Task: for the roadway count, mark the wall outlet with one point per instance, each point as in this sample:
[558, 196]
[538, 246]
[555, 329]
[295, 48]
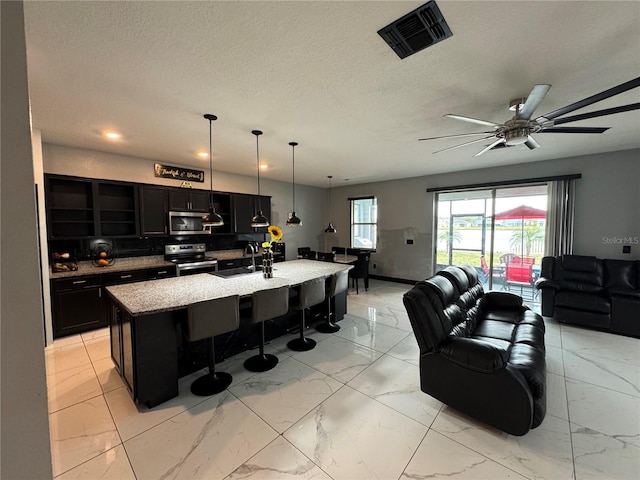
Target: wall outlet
[409, 241]
[626, 249]
[374, 265]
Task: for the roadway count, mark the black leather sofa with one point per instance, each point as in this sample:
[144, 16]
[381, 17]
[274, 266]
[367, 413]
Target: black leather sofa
[591, 292]
[480, 353]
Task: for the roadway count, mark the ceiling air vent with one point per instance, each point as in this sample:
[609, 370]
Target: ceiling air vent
[416, 30]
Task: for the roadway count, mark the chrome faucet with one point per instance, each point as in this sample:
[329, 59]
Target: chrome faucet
[251, 246]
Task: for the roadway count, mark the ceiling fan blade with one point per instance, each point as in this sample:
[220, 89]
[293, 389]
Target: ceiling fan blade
[474, 120]
[531, 143]
[464, 144]
[533, 100]
[598, 113]
[574, 130]
[486, 149]
[623, 87]
[454, 136]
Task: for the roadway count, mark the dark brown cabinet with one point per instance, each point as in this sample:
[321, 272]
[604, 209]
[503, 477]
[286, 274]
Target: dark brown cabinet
[144, 350]
[153, 211]
[188, 200]
[78, 305]
[80, 208]
[117, 212]
[79, 302]
[70, 208]
[245, 207]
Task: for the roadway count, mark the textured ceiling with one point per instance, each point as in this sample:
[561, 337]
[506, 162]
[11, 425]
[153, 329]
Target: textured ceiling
[318, 73]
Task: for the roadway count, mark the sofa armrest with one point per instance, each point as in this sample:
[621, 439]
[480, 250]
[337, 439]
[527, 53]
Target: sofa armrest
[544, 282]
[500, 300]
[474, 354]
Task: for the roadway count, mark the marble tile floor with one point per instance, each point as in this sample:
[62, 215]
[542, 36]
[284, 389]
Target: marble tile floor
[349, 409]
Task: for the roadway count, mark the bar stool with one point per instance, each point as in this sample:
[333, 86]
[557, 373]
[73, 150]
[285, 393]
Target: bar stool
[311, 293]
[206, 320]
[338, 283]
[266, 305]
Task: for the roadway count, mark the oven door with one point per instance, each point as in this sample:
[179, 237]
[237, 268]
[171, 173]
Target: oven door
[186, 223]
[195, 268]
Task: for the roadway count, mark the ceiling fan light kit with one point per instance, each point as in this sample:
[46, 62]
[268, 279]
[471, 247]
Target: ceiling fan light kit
[519, 129]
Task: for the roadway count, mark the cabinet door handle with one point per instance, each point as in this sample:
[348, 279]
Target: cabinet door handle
[78, 282]
[100, 292]
[230, 264]
[125, 276]
[163, 272]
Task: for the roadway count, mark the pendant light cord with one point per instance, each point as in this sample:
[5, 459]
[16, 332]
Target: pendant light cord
[330, 177]
[210, 159]
[258, 165]
[293, 175]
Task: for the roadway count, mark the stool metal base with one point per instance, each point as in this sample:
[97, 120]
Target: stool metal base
[327, 327]
[209, 384]
[261, 363]
[301, 344]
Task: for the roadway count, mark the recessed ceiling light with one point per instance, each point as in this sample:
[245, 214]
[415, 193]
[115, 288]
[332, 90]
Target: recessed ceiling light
[203, 154]
[263, 166]
[112, 135]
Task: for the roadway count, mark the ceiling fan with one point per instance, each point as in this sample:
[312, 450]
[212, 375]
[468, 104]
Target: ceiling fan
[519, 129]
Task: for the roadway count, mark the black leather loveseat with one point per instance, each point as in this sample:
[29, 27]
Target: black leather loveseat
[587, 291]
[482, 354]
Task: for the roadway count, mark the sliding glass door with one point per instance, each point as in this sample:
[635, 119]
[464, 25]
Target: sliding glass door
[505, 247]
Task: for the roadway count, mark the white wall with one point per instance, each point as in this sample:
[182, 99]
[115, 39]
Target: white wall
[607, 207]
[25, 452]
[310, 201]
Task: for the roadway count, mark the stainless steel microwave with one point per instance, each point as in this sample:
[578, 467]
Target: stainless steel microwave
[186, 223]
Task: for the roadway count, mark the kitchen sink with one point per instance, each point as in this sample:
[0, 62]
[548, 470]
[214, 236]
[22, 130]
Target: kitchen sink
[233, 272]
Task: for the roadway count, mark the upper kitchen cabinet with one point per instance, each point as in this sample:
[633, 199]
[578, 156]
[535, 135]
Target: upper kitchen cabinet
[79, 208]
[70, 209]
[182, 199]
[245, 207]
[153, 210]
[222, 203]
[116, 209]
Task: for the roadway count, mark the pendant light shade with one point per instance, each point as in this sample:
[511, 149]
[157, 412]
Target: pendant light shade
[330, 228]
[293, 220]
[211, 219]
[258, 220]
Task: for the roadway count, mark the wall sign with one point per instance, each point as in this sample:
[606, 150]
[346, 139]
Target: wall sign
[178, 173]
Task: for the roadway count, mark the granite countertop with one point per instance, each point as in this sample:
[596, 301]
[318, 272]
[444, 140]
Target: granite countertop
[120, 265]
[155, 296]
[138, 263]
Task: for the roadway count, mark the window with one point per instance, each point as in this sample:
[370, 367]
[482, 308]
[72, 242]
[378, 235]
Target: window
[364, 222]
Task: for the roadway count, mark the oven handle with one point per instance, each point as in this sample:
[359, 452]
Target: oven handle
[184, 268]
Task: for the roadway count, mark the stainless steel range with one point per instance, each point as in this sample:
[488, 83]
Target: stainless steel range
[190, 258]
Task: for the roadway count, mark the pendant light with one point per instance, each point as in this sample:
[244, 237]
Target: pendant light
[211, 219]
[259, 220]
[293, 220]
[330, 228]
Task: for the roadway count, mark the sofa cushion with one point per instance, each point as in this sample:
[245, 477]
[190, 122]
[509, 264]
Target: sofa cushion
[529, 334]
[579, 263]
[620, 274]
[577, 272]
[495, 329]
[582, 301]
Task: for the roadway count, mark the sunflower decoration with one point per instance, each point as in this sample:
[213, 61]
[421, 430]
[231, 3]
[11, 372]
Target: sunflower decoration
[276, 235]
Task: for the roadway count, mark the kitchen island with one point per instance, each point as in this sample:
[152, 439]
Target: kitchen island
[146, 318]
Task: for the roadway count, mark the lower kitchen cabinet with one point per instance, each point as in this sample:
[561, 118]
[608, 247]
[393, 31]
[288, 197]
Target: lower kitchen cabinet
[144, 350]
[78, 305]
